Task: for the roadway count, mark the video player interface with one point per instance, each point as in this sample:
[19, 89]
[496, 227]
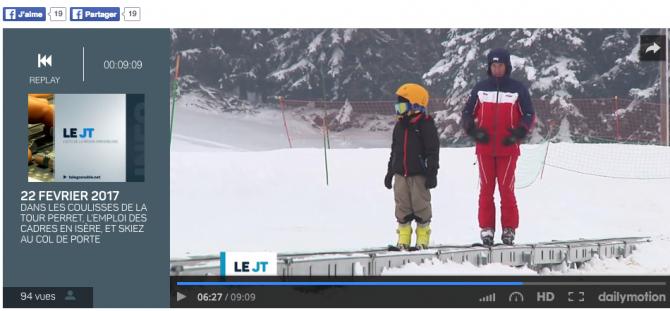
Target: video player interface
[180, 160]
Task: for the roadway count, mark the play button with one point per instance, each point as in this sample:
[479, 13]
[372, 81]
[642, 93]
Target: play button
[180, 296]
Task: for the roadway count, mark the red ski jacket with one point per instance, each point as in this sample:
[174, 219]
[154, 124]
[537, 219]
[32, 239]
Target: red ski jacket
[497, 105]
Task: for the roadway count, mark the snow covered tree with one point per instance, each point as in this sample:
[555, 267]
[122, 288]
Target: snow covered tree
[228, 59]
[347, 63]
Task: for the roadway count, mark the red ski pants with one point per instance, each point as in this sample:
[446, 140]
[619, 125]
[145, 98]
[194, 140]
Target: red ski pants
[500, 169]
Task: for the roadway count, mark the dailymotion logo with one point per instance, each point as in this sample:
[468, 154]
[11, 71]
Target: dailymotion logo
[631, 298]
[248, 263]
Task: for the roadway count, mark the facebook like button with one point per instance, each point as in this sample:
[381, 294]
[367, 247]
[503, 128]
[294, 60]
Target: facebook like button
[106, 14]
[33, 14]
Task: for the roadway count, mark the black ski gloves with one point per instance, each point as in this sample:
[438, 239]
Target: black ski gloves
[431, 181]
[478, 134]
[516, 134]
[388, 180]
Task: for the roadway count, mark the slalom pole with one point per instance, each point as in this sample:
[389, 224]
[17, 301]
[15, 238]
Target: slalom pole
[323, 97]
[174, 95]
[282, 106]
[325, 149]
[325, 115]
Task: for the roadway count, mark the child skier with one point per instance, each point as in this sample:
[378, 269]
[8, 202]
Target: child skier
[414, 163]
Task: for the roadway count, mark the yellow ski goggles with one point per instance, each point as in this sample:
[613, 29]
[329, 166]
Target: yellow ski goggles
[401, 108]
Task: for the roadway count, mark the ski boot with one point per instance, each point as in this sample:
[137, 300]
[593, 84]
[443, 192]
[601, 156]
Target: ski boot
[508, 236]
[422, 236]
[487, 236]
[404, 236]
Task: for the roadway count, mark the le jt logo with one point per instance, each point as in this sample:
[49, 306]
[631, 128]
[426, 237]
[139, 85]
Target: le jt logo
[243, 266]
[87, 132]
[248, 263]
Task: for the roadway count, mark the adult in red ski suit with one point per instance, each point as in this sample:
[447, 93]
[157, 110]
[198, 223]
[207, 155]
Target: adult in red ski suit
[498, 114]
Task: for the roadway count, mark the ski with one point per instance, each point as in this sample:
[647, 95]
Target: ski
[394, 248]
[486, 246]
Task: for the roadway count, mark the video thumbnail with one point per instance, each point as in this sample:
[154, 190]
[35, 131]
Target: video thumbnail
[99, 137]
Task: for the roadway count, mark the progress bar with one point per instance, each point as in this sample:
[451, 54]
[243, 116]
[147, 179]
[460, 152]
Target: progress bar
[334, 283]
[349, 283]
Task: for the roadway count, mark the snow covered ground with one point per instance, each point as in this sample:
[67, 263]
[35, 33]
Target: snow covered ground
[235, 186]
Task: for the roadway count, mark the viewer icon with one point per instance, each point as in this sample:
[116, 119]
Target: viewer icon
[70, 296]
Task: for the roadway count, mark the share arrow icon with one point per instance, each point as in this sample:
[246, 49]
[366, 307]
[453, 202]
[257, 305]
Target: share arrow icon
[654, 47]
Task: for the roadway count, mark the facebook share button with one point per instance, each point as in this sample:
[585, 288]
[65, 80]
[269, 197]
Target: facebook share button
[95, 14]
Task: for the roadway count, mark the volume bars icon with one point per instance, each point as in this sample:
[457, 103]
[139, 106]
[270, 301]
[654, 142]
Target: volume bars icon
[488, 298]
[43, 60]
